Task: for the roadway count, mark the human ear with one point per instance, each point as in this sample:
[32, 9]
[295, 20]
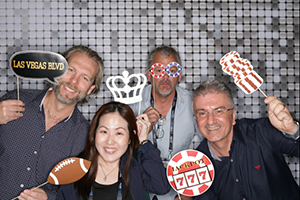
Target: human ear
[91, 89]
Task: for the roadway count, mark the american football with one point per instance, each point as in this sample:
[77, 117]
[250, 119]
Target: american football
[68, 171]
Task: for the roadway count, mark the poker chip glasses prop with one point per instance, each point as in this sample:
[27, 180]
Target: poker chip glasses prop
[158, 70]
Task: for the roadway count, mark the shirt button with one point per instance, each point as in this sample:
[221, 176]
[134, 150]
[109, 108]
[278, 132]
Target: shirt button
[28, 168]
[35, 152]
[231, 160]
[22, 185]
[43, 136]
[237, 180]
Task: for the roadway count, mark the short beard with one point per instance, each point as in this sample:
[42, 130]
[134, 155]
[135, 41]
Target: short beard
[166, 93]
[76, 99]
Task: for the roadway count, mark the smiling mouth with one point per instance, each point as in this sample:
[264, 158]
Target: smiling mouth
[110, 150]
[213, 128]
[69, 89]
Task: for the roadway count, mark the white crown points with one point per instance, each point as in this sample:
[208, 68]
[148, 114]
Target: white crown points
[64, 163]
[132, 89]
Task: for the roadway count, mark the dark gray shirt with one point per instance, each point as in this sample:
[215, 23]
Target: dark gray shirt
[28, 152]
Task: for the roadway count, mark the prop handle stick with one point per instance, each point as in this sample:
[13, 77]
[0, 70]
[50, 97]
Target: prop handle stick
[18, 92]
[262, 92]
[153, 92]
[39, 186]
[33, 189]
[179, 197]
[139, 108]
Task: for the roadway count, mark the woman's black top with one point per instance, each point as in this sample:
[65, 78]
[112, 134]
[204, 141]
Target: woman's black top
[109, 192]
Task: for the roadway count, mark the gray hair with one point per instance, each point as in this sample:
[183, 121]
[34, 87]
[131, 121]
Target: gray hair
[213, 86]
[165, 51]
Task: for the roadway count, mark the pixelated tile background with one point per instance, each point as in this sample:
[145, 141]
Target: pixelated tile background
[266, 32]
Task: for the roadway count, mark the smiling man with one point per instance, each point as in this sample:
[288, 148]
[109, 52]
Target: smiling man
[247, 154]
[48, 128]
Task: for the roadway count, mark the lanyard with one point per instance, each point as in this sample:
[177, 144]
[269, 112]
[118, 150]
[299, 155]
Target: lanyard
[119, 195]
[171, 125]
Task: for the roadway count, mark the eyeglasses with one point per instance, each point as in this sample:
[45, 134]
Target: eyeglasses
[158, 70]
[218, 112]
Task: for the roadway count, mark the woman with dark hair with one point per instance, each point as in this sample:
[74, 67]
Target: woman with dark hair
[124, 163]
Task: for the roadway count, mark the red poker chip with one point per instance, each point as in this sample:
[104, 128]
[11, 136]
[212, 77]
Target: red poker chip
[157, 75]
[190, 172]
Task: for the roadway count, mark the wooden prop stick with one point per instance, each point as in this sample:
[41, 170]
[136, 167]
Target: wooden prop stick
[153, 91]
[153, 94]
[179, 196]
[262, 92]
[139, 107]
[33, 189]
[18, 89]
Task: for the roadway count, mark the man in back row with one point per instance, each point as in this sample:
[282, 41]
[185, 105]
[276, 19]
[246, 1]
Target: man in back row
[247, 154]
[45, 127]
[168, 106]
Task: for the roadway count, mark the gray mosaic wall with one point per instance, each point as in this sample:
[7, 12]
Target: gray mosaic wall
[266, 32]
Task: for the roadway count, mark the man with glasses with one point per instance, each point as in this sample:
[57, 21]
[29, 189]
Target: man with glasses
[168, 106]
[247, 154]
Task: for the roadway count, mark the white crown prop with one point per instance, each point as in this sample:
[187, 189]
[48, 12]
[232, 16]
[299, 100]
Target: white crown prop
[127, 94]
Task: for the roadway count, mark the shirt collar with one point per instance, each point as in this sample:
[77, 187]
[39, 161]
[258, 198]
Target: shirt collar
[235, 138]
[212, 153]
[41, 104]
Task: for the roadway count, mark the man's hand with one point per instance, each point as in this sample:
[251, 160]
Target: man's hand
[280, 116]
[153, 115]
[11, 110]
[36, 194]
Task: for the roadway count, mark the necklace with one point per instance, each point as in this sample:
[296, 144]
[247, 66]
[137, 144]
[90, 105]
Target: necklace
[105, 175]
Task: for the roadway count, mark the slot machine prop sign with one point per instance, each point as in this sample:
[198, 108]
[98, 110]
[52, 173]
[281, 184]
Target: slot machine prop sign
[190, 172]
